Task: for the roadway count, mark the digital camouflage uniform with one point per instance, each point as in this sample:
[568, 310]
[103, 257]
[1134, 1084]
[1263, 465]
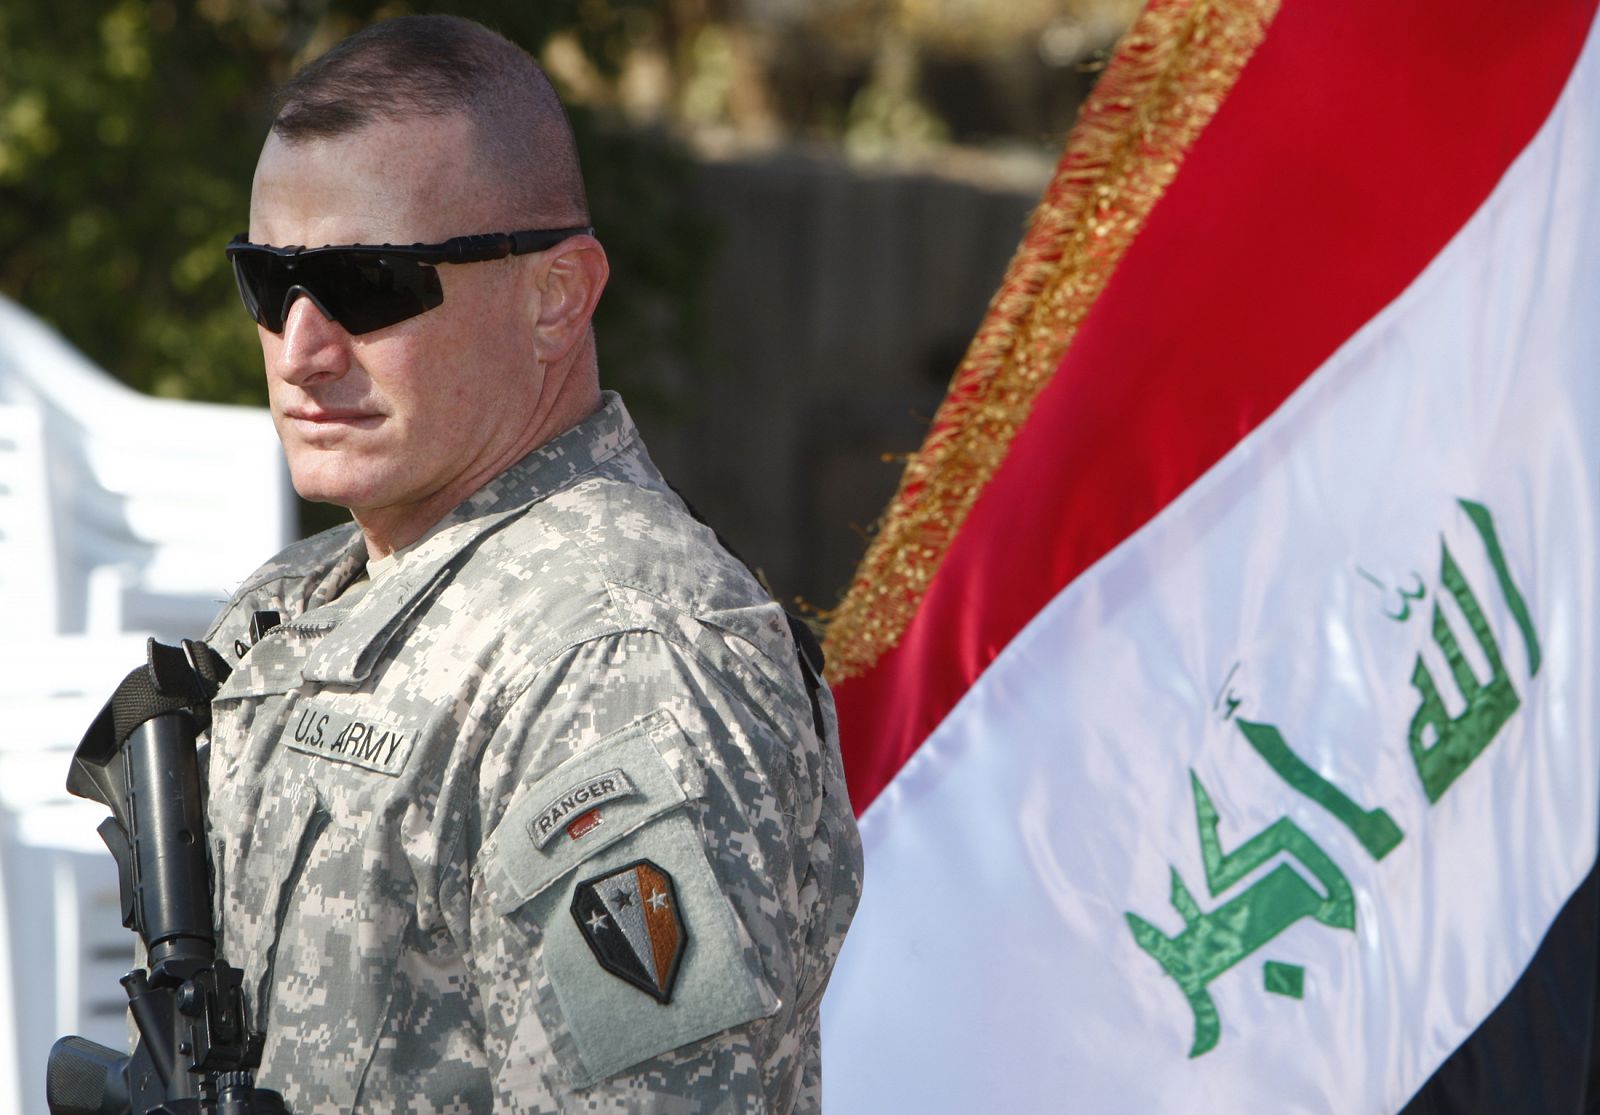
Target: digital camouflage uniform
[539, 821]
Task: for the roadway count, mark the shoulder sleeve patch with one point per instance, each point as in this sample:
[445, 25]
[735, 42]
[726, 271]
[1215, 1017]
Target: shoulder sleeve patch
[584, 806]
[645, 953]
[632, 920]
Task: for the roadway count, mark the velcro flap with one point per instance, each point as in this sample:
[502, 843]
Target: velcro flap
[586, 805]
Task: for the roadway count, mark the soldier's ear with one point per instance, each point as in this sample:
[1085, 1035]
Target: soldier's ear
[570, 277]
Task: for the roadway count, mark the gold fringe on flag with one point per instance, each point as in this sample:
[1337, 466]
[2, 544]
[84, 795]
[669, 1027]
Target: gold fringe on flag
[1170, 73]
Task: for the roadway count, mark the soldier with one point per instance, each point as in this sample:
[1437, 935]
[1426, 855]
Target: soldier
[523, 796]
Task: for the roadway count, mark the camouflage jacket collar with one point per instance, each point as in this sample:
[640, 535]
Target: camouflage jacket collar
[555, 465]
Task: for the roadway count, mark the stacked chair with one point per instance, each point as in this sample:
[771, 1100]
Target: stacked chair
[121, 517]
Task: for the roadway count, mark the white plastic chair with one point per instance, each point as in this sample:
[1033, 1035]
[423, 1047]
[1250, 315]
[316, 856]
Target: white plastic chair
[28, 589]
[159, 507]
[121, 516]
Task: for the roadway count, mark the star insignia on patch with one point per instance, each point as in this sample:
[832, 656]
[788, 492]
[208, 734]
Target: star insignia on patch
[631, 921]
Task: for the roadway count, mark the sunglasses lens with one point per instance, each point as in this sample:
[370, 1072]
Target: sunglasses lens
[365, 291]
[253, 270]
[362, 291]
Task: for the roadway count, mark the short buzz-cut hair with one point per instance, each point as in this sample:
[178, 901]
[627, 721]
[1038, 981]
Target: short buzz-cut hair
[440, 65]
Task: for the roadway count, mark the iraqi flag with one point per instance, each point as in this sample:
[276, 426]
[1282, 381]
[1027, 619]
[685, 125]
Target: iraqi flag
[1219, 694]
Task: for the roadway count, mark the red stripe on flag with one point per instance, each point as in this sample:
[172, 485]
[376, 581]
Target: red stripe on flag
[1342, 162]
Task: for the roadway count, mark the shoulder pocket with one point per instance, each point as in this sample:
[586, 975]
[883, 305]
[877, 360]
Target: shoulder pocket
[585, 805]
[642, 949]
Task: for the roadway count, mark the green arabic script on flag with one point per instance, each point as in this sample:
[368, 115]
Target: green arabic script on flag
[1442, 748]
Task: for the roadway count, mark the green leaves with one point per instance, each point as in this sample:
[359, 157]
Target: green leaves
[125, 158]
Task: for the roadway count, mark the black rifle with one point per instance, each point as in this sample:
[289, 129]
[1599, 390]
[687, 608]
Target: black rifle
[196, 1052]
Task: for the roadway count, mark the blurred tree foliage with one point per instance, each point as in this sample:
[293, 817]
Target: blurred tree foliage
[128, 134]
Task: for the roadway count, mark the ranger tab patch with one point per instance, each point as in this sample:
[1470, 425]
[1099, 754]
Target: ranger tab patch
[573, 802]
[631, 921]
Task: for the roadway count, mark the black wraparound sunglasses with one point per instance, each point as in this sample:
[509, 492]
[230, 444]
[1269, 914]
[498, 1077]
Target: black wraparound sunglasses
[367, 286]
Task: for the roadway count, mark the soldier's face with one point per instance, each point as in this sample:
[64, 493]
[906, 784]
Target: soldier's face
[402, 423]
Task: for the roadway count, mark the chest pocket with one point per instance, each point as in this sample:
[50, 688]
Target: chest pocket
[264, 883]
[289, 921]
[601, 865]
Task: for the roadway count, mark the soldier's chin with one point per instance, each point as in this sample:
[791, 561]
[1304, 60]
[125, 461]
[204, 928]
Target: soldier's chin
[313, 487]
